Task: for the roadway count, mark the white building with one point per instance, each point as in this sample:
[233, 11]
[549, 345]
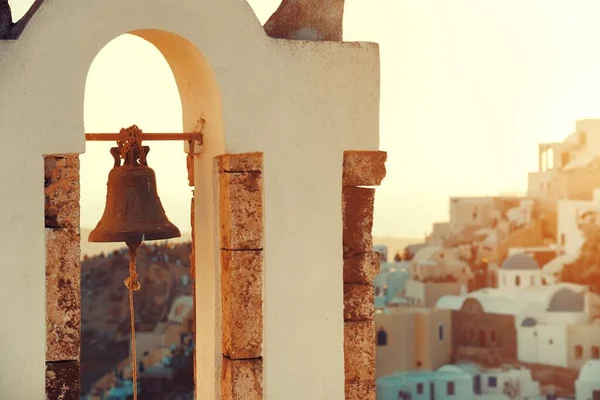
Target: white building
[572, 216]
[587, 386]
[552, 322]
[519, 271]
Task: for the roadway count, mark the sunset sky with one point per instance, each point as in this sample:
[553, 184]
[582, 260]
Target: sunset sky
[469, 87]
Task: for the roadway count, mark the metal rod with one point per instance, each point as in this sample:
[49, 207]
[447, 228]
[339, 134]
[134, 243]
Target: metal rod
[113, 137]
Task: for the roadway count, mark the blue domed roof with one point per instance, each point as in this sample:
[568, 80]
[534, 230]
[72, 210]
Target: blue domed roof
[520, 261]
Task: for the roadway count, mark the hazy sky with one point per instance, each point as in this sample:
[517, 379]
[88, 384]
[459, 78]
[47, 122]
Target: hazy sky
[469, 87]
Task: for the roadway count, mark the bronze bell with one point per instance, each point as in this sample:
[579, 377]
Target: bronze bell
[133, 210]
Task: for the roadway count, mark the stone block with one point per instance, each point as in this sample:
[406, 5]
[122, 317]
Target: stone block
[63, 294]
[361, 267]
[243, 162]
[61, 187]
[364, 168]
[357, 211]
[241, 210]
[241, 302]
[241, 379]
[63, 380]
[359, 351]
[359, 301]
[361, 390]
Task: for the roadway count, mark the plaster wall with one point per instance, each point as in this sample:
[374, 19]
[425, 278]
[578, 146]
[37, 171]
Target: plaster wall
[552, 345]
[434, 337]
[585, 336]
[464, 209]
[508, 279]
[527, 347]
[400, 352]
[288, 99]
[567, 224]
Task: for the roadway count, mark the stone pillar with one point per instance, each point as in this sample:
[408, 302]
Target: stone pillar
[63, 273]
[361, 264]
[241, 247]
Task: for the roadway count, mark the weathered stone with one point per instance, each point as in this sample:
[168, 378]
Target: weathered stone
[61, 188]
[361, 390]
[241, 379]
[241, 299]
[63, 294]
[359, 351]
[357, 211]
[243, 162]
[63, 380]
[361, 267]
[359, 302]
[190, 169]
[307, 20]
[241, 211]
[364, 168]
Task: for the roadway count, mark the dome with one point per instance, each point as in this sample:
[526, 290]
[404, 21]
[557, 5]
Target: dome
[528, 322]
[567, 300]
[590, 371]
[520, 261]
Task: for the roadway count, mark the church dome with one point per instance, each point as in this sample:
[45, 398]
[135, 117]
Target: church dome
[520, 262]
[567, 300]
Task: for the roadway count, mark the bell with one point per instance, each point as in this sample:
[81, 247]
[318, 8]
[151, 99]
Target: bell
[133, 210]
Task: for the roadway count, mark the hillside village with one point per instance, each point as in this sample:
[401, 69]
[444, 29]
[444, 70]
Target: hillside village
[164, 315]
[502, 301]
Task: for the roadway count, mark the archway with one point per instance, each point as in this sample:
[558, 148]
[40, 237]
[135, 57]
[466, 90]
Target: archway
[200, 101]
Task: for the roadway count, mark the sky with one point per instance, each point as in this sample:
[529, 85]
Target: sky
[468, 90]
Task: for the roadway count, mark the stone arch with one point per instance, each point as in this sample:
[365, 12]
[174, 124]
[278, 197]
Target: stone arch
[200, 100]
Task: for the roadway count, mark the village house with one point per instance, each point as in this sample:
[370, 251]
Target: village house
[436, 272]
[426, 385]
[286, 145]
[483, 328]
[412, 339]
[573, 215]
[569, 169]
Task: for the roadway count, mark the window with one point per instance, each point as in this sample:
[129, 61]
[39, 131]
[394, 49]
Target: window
[441, 332]
[381, 338]
[532, 280]
[471, 334]
[475, 214]
[420, 388]
[492, 335]
[578, 352]
[482, 338]
[595, 352]
[492, 381]
[402, 395]
[563, 239]
[450, 388]
[517, 280]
